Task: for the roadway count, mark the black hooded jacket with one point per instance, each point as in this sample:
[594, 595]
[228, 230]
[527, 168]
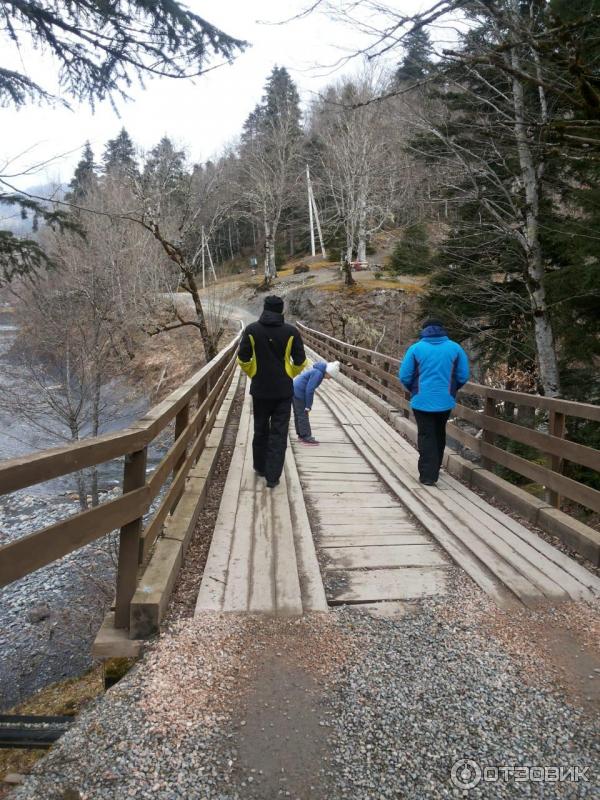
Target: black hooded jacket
[271, 353]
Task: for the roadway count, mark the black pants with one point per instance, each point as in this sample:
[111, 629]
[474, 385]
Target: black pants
[271, 422]
[431, 441]
[301, 420]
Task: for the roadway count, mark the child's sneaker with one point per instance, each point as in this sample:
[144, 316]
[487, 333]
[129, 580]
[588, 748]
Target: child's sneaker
[309, 440]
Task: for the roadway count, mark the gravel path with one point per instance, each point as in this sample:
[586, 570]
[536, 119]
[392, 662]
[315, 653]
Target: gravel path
[339, 705]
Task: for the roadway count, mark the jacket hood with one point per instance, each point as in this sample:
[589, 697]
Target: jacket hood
[271, 318]
[434, 331]
[321, 366]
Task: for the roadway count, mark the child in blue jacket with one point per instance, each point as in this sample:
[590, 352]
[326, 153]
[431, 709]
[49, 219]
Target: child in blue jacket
[433, 370]
[305, 386]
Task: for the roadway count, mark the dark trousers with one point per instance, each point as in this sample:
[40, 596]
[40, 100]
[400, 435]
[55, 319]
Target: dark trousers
[431, 441]
[301, 420]
[271, 422]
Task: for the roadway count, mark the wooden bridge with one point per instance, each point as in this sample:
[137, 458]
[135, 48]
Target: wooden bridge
[349, 522]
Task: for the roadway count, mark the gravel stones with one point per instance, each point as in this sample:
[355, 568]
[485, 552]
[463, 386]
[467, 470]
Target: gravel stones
[400, 701]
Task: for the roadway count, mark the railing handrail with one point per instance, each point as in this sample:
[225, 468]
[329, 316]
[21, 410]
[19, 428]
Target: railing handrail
[380, 378]
[43, 465]
[194, 405]
[571, 408]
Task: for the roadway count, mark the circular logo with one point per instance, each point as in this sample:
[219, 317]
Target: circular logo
[465, 773]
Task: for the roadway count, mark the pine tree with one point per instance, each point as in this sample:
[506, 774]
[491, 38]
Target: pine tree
[280, 105]
[84, 177]
[416, 64]
[101, 46]
[119, 155]
[412, 254]
[165, 167]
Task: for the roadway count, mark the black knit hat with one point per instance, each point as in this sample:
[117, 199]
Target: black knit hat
[274, 303]
[433, 321]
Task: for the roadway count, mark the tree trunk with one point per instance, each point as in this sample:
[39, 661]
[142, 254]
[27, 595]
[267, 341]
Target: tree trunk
[362, 223]
[544, 337]
[210, 349]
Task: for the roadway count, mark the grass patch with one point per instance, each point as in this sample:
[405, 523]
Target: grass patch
[64, 698]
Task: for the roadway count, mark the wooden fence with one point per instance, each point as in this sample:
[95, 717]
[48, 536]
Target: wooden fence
[194, 407]
[377, 372]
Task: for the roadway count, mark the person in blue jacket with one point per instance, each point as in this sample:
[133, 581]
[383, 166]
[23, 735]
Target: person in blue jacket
[305, 386]
[433, 370]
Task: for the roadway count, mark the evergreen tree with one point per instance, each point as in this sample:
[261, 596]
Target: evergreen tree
[280, 105]
[164, 169]
[84, 177]
[412, 254]
[416, 64]
[101, 46]
[119, 155]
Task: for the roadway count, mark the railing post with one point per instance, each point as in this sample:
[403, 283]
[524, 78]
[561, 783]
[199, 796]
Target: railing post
[557, 428]
[201, 397]
[488, 437]
[134, 477]
[181, 422]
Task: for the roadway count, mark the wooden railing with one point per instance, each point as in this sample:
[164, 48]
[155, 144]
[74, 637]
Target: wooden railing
[194, 407]
[377, 372]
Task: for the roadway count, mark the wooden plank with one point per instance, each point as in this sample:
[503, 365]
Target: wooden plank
[376, 539]
[134, 477]
[473, 565]
[43, 466]
[312, 467]
[155, 525]
[32, 468]
[212, 587]
[321, 487]
[288, 596]
[262, 565]
[365, 528]
[348, 477]
[326, 451]
[510, 549]
[568, 565]
[547, 444]
[359, 500]
[568, 407]
[311, 583]
[374, 517]
[391, 584]
[585, 495]
[384, 556]
[237, 583]
[28, 553]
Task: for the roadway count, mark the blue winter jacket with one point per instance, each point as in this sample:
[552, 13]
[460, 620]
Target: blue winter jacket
[309, 380]
[433, 370]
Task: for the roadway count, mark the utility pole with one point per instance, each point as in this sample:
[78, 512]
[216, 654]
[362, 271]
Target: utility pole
[310, 213]
[202, 252]
[312, 209]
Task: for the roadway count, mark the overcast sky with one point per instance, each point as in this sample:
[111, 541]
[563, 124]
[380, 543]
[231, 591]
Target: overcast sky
[203, 115]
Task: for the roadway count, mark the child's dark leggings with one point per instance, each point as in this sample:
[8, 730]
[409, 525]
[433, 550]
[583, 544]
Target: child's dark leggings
[301, 419]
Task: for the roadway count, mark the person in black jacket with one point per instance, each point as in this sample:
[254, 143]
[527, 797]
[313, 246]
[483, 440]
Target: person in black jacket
[271, 353]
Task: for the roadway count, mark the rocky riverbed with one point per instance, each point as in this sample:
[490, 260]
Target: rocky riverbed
[49, 618]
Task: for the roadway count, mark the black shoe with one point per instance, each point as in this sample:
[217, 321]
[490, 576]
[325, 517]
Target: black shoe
[427, 483]
[272, 484]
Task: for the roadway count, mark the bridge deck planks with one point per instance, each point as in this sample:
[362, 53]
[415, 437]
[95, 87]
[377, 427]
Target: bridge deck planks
[260, 557]
[364, 534]
[479, 537]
